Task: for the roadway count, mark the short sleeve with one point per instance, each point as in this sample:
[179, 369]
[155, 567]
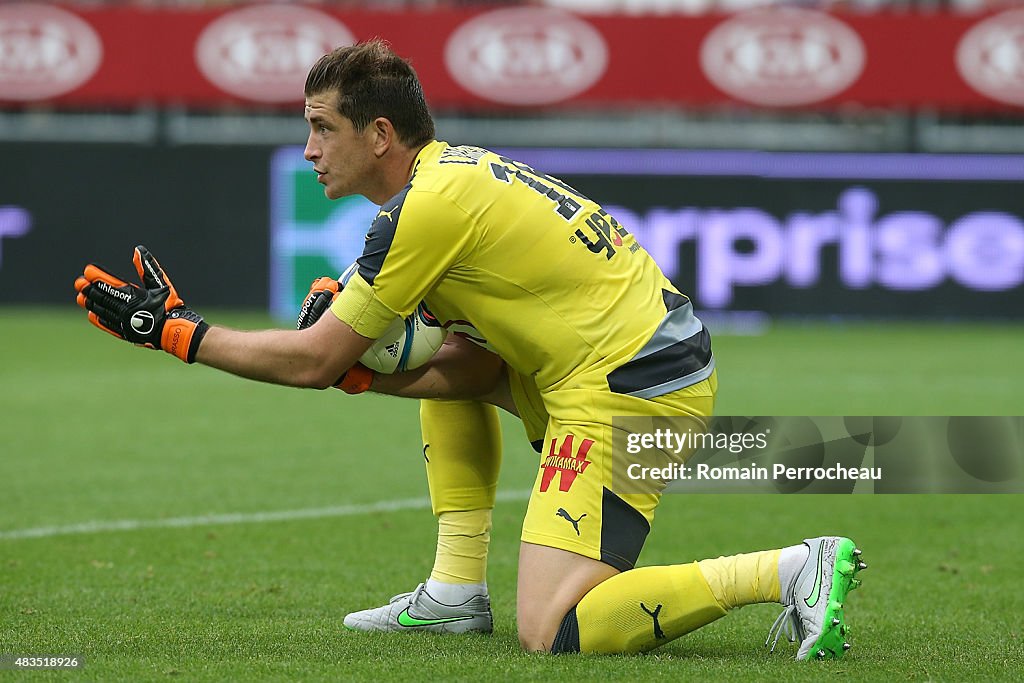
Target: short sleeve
[416, 238]
[361, 309]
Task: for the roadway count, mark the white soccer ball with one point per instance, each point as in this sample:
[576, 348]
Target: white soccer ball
[406, 344]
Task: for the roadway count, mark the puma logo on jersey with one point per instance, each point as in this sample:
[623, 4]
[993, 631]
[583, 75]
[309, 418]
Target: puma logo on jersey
[382, 212]
[567, 517]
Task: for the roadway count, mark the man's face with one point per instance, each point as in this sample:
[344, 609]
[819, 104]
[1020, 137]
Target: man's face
[342, 157]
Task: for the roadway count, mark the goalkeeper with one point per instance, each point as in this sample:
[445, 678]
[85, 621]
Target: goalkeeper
[562, 319]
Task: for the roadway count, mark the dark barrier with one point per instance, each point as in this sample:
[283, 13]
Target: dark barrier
[797, 234]
[202, 211]
[867, 235]
[826, 247]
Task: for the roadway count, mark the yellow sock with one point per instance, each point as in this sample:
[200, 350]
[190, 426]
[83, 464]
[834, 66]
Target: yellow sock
[462, 541]
[641, 609]
[462, 448]
[743, 579]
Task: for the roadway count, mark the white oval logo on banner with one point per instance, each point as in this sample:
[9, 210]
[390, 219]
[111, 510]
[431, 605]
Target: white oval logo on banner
[264, 53]
[990, 57]
[782, 57]
[44, 52]
[526, 56]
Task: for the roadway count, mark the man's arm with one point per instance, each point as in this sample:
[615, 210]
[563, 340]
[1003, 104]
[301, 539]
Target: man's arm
[314, 357]
[152, 314]
[459, 370]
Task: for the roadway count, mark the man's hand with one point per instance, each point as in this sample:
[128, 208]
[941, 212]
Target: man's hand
[322, 293]
[150, 315]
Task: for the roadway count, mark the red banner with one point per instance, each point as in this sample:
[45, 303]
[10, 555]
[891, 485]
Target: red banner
[518, 57]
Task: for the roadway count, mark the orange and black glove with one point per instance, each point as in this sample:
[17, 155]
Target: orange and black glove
[150, 315]
[322, 294]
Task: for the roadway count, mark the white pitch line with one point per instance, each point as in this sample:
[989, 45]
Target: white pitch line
[100, 526]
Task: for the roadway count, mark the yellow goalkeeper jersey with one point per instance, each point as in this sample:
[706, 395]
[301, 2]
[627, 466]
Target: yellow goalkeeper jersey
[524, 264]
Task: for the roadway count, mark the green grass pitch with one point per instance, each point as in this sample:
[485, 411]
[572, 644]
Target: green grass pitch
[94, 431]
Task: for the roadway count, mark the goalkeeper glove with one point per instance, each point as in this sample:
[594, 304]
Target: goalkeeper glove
[322, 293]
[150, 315]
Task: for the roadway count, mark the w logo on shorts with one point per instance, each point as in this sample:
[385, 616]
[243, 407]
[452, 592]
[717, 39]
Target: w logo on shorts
[565, 462]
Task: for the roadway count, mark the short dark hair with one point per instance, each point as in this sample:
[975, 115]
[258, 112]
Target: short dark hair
[373, 81]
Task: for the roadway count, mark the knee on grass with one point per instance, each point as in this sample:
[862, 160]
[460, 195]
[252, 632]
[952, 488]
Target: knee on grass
[566, 639]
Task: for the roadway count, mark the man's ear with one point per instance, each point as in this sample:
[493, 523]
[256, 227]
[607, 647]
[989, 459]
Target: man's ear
[384, 137]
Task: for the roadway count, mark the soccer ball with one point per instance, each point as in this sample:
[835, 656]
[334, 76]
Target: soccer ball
[406, 344]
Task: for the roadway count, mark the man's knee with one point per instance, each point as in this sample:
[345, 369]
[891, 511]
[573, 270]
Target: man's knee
[546, 609]
[565, 641]
[538, 625]
[531, 640]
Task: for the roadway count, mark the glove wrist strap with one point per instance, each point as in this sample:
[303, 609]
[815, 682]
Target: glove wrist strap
[197, 338]
[356, 380]
[183, 331]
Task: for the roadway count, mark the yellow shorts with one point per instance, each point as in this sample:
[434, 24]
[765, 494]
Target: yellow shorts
[572, 506]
